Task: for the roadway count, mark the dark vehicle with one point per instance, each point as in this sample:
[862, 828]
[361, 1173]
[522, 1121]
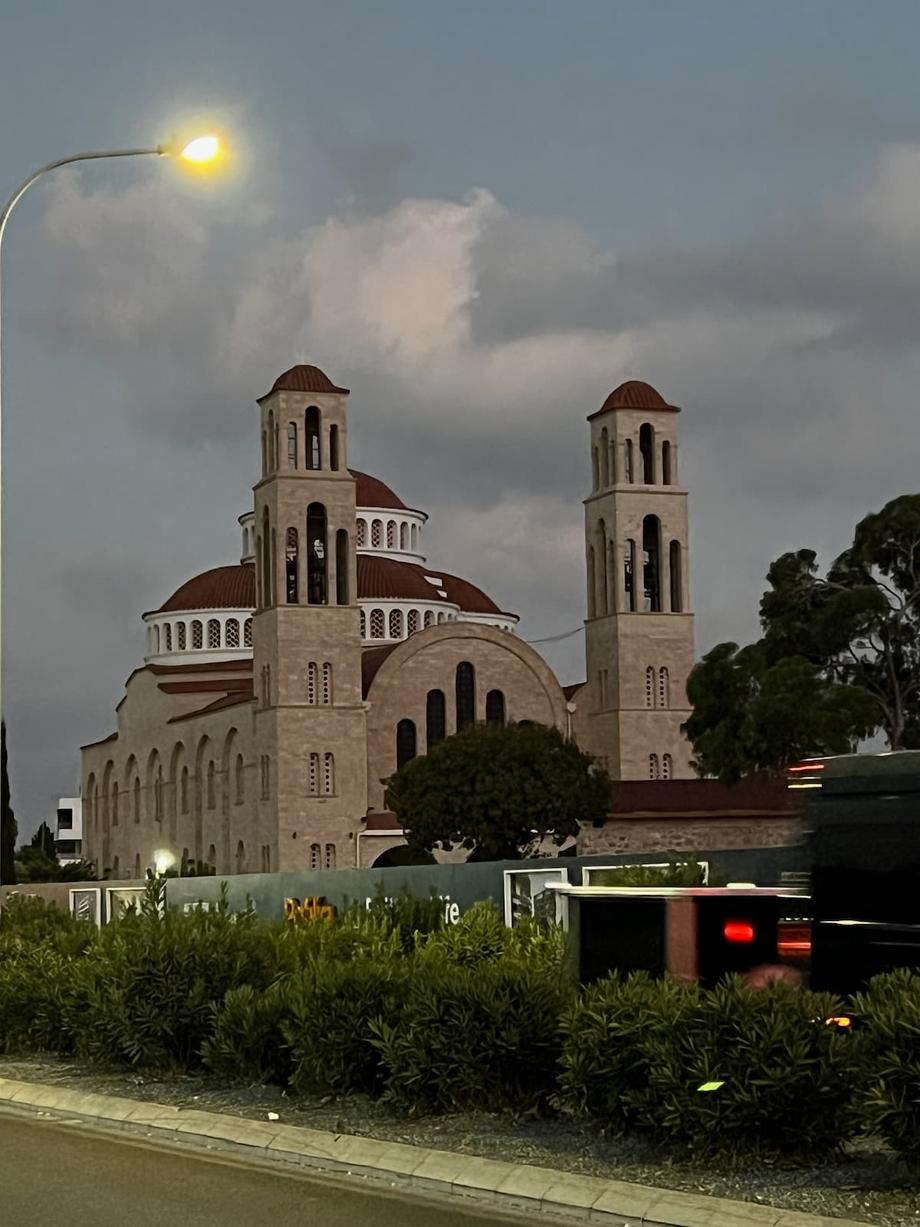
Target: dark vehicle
[862, 817]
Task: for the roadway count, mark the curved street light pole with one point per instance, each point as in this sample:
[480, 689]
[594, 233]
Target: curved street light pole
[159, 150]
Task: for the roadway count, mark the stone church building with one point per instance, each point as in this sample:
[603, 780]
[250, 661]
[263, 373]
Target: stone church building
[275, 695]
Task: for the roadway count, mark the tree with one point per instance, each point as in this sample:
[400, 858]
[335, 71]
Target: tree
[839, 660]
[8, 828]
[44, 839]
[33, 864]
[498, 791]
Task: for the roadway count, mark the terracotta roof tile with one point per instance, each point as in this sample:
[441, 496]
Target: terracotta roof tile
[372, 492]
[225, 700]
[371, 660]
[682, 798]
[305, 378]
[206, 684]
[220, 588]
[634, 394]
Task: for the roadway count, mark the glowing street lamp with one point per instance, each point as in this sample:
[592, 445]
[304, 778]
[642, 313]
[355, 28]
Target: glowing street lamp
[201, 150]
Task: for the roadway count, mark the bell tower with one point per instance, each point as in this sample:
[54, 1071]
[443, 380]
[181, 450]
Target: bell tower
[639, 629]
[310, 728]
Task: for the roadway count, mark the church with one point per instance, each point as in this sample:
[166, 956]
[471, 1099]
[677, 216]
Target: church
[276, 695]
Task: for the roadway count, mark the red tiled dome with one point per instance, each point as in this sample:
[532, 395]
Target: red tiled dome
[635, 394]
[220, 588]
[305, 379]
[372, 492]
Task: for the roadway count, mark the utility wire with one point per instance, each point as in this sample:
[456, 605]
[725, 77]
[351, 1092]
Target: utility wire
[556, 638]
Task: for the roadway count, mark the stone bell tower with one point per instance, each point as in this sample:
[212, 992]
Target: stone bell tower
[310, 730]
[639, 629]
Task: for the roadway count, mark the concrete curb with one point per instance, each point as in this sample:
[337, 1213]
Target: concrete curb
[515, 1186]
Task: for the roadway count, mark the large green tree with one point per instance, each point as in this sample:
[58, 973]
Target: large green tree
[498, 791]
[8, 829]
[839, 660]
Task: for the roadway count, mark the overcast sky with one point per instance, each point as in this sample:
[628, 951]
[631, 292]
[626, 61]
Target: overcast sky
[480, 217]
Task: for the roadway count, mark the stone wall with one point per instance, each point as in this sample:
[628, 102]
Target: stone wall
[690, 834]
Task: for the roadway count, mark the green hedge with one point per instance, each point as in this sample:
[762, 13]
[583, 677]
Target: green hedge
[890, 1100]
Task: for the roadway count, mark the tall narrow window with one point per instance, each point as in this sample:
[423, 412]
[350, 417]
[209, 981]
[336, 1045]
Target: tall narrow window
[240, 857]
[629, 576]
[240, 780]
[654, 772]
[327, 684]
[376, 534]
[466, 694]
[600, 562]
[664, 688]
[156, 639]
[312, 682]
[647, 452]
[313, 775]
[137, 866]
[180, 636]
[592, 594]
[628, 467]
[212, 856]
[183, 790]
[247, 633]
[391, 534]
[405, 743]
[233, 633]
[330, 856]
[329, 774]
[334, 448]
[363, 625]
[677, 581]
[605, 460]
[274, 567]
[651, 548]
[114, 805]
[377, 624]
[292, 445]
[341, 567]
[404, 536]
[212, 790]
[265, 774]
[396, 620]
[595, 470]
[266, 559]
[264, 454]
[435, 718]
[271, 441]
[311, 429]
[213, 633]
[361, 534]
[158, 795]
[429, 617]
[168, 632]
[666, 463]
[667, 767]
[613, 462]
[290, 566]
[495, 707]
[137, 798]
[414, 537]
[316, 554]
[314, 856]
[650, 687]
[412, 621]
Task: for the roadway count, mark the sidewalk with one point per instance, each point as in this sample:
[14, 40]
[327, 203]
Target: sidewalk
[557, 1194]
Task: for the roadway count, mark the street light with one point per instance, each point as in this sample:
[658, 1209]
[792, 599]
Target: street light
[200, 151]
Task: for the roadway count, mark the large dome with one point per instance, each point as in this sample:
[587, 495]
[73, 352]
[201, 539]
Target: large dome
[372, 492]
[219, 588]
[305, 378]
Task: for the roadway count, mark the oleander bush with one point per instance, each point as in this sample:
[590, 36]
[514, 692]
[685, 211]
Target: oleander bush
[481, 936]
[890, 1099]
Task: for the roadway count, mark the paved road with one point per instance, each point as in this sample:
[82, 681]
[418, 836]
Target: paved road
[71, 1175]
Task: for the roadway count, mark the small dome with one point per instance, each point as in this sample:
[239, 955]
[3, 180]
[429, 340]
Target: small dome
[220, 588]
[305, 379]
[635, 394]
[372, 492]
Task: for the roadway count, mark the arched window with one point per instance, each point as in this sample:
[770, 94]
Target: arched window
[654, 772]
[247, 633]
[327, 684]
[592, 595]
[334, 448]
[650, 687]
[167, 629]
[265, 769]
[212, 856]
[233, 633]
[137, 866]
[495, 707]
[429, 618]
[414, 537]
[341, 567]
[667, 767]
[114, 805]
[183, 791]
[396, 623]
[316, 554]
[647, 452]
[292, 445]
[613, 462]
[664, 688]
[330, 856]
[183, 863]
[595, 470]
[313, 775]
[267, 596]
[376, 534]
[442, 617]
[466, 694]
[412, 621]
[311, 438]
[651, 549]
[290, 566]
[605, 460]
[264, 454]
[361, 530]
[435, 718]
[677, 580]
[600, 564]
[213, 633]
[378, 624]
[240, 775]
[329, 774]
[363, 626]
[405, 743]
[274, 567]
[628, 467]
[314, 856]
[158, 795]
[404, 536]
[212, 791]
[312, 682]
[666, 463]
[180, 636]
[391, 534]
[271, 441]
[116, 867]
[240, 857]
[156, 640]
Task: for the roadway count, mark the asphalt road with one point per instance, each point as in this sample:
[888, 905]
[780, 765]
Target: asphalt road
[75, 1176]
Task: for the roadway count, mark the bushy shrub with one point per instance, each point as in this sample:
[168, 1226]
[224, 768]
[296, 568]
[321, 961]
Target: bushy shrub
[246, 1042]
[26, 923]
[607, 1047]
[482, 1036]
[779, 1079]
[40, 1001]
[408, 916]
[481, 936]
[890, 1099]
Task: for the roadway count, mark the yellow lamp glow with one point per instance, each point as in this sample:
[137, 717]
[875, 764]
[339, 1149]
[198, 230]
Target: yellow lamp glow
[201, 149]
[163, 860]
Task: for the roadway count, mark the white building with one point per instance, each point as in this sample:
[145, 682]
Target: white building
[68, 838]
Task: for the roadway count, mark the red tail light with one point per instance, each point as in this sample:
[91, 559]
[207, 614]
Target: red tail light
[741, 932]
